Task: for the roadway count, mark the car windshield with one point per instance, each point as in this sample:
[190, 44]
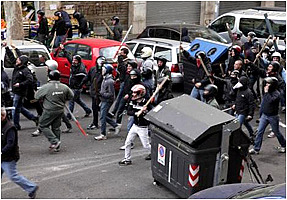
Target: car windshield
[109, 52]
[205, 33]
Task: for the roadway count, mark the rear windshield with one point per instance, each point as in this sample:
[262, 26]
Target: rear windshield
[109, 52]
[36, 56]
[259, 27]
[205, 33]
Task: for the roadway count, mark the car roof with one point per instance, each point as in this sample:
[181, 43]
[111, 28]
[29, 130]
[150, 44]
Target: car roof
[96, 43]
[20, 44]
[254, 13]
[161, 41]
[175, 25]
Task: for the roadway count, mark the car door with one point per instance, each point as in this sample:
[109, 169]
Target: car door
[63, 63]
[137, 52]
[86, 54]
[219, 26]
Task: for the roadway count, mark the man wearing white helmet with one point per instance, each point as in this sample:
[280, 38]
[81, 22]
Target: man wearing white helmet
[147, 68]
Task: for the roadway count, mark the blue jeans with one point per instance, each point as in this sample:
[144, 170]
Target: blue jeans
[78, 100]
[10, 169]
[130, 123]
[197, 93]
[241, 119]
[58, 40]
[274, 123]
[104, 118]
[119, 98]
[18, 104]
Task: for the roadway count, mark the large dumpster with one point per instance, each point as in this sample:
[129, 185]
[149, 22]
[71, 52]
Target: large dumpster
[190, 145]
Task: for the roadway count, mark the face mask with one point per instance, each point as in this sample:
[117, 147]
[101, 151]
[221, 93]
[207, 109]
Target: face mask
[238, 85]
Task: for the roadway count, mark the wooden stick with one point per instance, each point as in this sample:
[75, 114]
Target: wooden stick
[221, 69]
[205, 69]
[262, 49]
[123, 41]
[108, 28]
[158, 88]
[180, 35]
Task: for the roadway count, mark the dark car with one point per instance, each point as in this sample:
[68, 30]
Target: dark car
[172, 31]
[243, 191]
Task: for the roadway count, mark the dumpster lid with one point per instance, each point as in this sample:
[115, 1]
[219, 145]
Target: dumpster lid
[187, 117]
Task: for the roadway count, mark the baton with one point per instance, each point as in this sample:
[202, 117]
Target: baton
[158, 88]
[227, 109]
[205, 69]
[108, 28]
[76, 121]
[123, 41]
[262, 49]
[221, 69]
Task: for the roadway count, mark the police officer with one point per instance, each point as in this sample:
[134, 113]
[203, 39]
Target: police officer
[54, 95]
[118, 29]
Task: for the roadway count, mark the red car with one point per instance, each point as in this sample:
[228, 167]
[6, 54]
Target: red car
[89, 50]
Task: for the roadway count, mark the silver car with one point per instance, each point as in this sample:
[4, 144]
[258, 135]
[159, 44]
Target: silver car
[37, 54]
[168, 48]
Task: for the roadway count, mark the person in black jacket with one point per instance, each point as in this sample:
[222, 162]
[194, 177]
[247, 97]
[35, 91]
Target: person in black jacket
[244, 104]
[200, 79]
[140, 126]
[269, 109]
[96, 78]
[10, 155]
[184, 35]
[43, 30]
[77, 73]
[235, 55]
[21, 80]
[83, 24]
[59, 28]
[118, 29]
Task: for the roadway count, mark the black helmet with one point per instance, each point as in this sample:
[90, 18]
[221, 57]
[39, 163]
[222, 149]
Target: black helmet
[76, 15]
[54, 75]
[273, 81]
[137, 73]
[251, 34]
[276, 66]
[238, 34]
[266, 49]
[78, 58]
[41, 12]
[116, 18]
[133, 64]
[212, 89]
[161, 58]
[257, 45]
[202, 54]
[58, 13]
[24, 59]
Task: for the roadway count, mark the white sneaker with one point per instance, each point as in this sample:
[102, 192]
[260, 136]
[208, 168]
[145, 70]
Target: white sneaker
[36, 133]
[124, 147]
[281, 149]
[271, 135]
[253, 151]
[100, 137]
[118, 129]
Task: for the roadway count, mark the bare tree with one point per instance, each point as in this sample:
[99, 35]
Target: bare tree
[13, 17]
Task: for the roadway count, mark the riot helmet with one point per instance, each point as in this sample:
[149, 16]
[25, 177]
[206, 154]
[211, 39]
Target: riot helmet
[54, 75]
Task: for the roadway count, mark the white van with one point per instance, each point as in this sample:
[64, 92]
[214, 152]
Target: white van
[251, 20]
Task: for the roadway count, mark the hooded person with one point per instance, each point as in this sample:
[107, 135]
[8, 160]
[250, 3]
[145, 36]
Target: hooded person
[244, 104]
[184, 35]
[83, 24]
[22, 79]
[118, 29]
[43, 30]
[107, 97]
[200, 79]
[235, 55]
[269, 115]
[95, 77]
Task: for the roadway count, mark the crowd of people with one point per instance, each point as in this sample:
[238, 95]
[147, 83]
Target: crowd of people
[138, 83]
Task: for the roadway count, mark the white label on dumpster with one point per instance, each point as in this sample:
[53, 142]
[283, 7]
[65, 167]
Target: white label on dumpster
[157, 108]
[161, 154]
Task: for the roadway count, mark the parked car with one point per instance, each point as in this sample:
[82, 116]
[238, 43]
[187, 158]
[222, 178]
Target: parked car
[37, 54]
[172, 31]
[165, 47]
[243, 191]
[89, 49]
[251, 20]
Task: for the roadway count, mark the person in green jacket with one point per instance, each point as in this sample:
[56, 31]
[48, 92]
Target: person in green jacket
[54, 95]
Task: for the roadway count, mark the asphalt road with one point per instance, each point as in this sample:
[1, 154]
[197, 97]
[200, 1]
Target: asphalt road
[86, 168]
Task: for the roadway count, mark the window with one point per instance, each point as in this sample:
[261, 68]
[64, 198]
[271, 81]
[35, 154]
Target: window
[162, 33]
[70, 48]
[140, 46]
[84, 51]
[131, 45]
[220, 24]
[259, 27]
[165, 52]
